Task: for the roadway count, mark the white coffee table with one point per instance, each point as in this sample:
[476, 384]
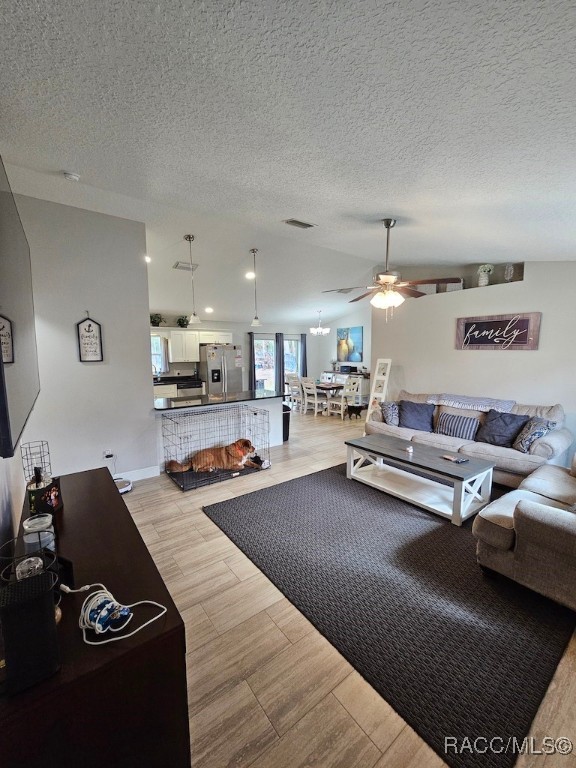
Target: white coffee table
[383, 462]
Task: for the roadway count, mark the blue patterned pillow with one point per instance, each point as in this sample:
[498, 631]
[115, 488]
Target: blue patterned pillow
[390, 413]
[534, 429]
[452, 425]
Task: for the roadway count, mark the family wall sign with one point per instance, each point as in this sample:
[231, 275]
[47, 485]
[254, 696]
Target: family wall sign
[499, 332]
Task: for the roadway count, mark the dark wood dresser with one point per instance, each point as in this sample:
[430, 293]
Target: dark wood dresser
[121, 704]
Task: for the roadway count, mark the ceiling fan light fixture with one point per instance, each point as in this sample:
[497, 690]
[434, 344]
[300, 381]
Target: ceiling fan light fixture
[386, 300]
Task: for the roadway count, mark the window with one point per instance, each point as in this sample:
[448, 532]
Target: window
[292, 356]
[159, 353]
[265, 363]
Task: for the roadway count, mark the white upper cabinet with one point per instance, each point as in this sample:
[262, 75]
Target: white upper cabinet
[215, 337]
[183, 347]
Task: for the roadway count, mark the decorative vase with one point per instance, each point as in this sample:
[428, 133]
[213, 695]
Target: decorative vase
[483, 279]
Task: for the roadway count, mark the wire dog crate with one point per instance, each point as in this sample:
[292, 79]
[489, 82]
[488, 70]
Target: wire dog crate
[185, 434]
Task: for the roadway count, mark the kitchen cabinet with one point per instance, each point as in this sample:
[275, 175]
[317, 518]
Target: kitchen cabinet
[183, 347]
[215, 337]
[165, 390]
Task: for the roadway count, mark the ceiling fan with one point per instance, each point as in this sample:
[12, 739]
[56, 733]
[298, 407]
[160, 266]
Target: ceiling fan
[387, 292]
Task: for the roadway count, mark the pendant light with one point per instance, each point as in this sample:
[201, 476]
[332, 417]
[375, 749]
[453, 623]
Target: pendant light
[256, 321]
[194, 319]
[318, 330]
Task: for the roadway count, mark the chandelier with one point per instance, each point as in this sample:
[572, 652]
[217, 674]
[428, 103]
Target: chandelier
[318, 330]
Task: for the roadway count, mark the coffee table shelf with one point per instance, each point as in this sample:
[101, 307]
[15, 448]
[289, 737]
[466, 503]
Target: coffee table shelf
[454, 491]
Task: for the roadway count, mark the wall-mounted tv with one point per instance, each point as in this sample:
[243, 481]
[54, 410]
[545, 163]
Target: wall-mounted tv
[19, 379]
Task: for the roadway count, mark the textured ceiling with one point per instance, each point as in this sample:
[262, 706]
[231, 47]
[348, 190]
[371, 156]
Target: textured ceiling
[456, 117]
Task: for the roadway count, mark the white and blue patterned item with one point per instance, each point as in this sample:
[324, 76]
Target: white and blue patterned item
[453, 425]
[390, 413]
[534, 429]
[472, 403]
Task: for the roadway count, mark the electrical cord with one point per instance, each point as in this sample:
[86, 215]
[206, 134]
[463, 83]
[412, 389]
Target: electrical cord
[101, 613]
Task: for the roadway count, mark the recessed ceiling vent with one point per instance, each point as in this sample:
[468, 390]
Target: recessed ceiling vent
[186, 266]
[299, 224]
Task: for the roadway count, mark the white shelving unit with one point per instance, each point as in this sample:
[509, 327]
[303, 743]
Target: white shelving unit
[379, 384]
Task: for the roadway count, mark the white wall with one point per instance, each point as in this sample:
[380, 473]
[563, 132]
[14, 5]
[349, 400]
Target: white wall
[420, 340]
[89, 261]
[322, 349]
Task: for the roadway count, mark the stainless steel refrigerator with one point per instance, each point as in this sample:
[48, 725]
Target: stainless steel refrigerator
[221, 368]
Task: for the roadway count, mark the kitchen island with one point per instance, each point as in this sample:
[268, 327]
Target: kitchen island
[167, 403]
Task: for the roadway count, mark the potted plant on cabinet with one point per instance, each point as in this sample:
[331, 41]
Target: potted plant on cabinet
[156, 319]
[182, 321]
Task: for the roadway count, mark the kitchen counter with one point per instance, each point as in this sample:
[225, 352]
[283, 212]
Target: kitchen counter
[168, 403]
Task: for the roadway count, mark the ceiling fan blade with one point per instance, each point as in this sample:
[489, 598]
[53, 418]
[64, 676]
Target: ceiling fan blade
[343, 290]
[432, 281]
[409, 292]
[363, 295]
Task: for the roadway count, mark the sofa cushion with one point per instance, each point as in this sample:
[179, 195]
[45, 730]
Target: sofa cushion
[553, 482]
[457, 426]
[443, 442]
[414, 398]
[506, 459]
[501, 428]
[390, 413]
[494, 524]
[379, 428]
[531, 431]
[549, 412]
[416, 415]
[470, 414]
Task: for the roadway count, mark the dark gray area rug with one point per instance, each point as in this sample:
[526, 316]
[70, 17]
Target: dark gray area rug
[398, 592]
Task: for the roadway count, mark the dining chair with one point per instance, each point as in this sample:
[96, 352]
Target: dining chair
[312, 398]
[339, 404]
[295, 394]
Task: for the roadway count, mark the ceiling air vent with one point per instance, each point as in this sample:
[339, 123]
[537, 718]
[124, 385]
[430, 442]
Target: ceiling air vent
[299, 224]
[186, 266]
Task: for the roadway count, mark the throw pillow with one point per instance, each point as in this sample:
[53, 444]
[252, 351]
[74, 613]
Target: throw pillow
[531, 431]
[501, 428]
[390, 413]
[457, 426]
[416, 415]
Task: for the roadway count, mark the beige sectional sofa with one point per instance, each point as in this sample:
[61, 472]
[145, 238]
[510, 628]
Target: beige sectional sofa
[511, 465]
[529, 534]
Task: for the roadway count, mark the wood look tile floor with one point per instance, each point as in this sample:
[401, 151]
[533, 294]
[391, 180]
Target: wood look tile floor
[265, 689]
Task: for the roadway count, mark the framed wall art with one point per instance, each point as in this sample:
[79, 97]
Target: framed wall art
[6, 340]
[349, 344]
[499, 332]
[89, 341]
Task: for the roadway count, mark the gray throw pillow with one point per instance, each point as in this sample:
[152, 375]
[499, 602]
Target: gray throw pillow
[501, 428]
[454, 425]
[416, 415]
[531, 431]
[390, 413]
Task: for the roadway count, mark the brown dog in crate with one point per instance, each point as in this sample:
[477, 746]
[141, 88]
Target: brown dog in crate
[234, 456]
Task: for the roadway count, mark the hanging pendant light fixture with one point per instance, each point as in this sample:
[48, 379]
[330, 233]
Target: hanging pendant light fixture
[318, 330]
[194, 319]
[256, 321]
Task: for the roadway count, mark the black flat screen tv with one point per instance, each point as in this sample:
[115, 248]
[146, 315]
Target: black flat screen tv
[19, 379]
